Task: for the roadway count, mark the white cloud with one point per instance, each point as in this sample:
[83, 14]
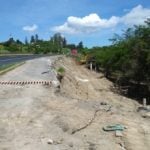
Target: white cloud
[136, 16]
[87, 24]
[32, 28]
[93, 22]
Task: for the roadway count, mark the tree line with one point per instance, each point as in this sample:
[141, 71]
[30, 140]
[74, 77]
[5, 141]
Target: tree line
[56, 44]
[127, 60]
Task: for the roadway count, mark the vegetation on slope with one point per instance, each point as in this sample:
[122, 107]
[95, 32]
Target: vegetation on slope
[128, 59]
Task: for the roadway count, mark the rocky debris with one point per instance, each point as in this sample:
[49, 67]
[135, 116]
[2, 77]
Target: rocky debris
[146, 115]
[50, 141]
[55, 83]
[118, 134]
[54, 142]
[70, 144]
[143, 109]
[103, 103]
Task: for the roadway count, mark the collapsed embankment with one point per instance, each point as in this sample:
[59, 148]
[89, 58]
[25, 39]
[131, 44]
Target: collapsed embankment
[94, 93]
[79, 83]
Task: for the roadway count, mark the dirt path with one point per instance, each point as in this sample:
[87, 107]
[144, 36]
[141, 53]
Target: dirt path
[31, 115]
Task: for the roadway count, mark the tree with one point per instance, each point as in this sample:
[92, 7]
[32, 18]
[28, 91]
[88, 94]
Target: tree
[26, 41]
[64, 42]
[32, 41]
[127, 60]
[36, 38]
[147, 22]
[54, 45]
[58, 42]
[80, 46]
[18, 42]
[71, 46]
[9, 42]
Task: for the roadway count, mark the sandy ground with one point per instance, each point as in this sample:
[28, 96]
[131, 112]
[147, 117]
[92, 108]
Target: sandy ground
[32, 115]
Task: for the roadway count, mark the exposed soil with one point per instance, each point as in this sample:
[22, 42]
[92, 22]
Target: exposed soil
[69, 117]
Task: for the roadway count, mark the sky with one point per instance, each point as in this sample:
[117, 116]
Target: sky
[91, 21]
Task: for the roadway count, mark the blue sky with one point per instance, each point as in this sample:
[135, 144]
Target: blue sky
[90, 21]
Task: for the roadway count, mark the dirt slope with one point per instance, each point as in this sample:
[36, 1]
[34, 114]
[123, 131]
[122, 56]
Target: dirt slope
[91, 89]
[72, 116]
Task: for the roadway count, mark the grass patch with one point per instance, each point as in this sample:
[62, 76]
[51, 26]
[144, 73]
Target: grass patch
[61, 70]
[9, 67]
[60, 73]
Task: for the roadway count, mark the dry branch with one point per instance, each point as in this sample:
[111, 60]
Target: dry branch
[88, 124]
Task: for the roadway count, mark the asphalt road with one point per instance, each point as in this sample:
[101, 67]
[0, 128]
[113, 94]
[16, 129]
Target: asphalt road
[4, 60]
